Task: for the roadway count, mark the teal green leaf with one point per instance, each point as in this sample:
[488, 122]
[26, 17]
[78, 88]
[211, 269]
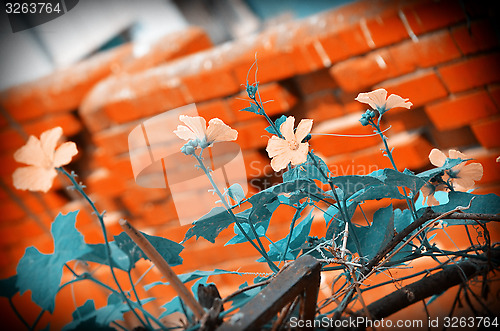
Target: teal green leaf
[252, 108]
[242, 298]
[352, 184]
[211, 224]
[376, 236]
[41, 273]
[448, 164]
[377, 192]
[168, 249]
[98, 255]
[482, 203]
[236, 192]
[401, 179]
[8, 287]
[299, 237]
[337, 224]
[308, 170]
[277, 124]
[402, 219]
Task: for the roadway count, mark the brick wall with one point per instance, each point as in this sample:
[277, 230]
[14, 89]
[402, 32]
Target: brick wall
[443, 55]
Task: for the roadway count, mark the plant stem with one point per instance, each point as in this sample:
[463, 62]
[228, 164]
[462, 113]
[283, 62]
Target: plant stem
[292, 225]
[164, 268]
[410, 203]
[137, 297]
[261, 250]
[100, 217]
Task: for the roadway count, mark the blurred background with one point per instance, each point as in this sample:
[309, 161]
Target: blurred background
[104, 67]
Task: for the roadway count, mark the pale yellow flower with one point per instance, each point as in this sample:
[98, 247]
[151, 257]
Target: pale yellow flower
[196, 129]
[291, 148]
[463, 175]
[42, 158]
[378, 100]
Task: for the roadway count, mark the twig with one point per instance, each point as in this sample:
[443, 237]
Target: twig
[164, 268]
[241, 290]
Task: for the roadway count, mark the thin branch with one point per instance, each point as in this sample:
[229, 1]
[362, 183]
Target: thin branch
[164, 268]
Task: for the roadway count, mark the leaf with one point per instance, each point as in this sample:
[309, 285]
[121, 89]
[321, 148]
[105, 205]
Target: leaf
[376, 236]
[308, 170]
[482, 204]
[211, 224]
[299, 237]
[8, 287]
[252, 108]
[86, 317]
[244, 297]
[168, 249]
[377, 192]
[401, 179]
[448, 164]
[352, 184]
[236, 192]
[98, 254]
[240, 237]
[277, 124]
[402, 219]
[337, 224]
[41, 273]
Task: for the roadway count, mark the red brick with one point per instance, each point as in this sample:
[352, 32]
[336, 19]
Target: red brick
[331, 145]
[355, 74]
[410, 150]
[276, 99]
[453, 138]
[10, 140]
[471, 72]
[488, 132]
[420, 88]
[252, 134]
[491, 168]
[321, 107]
[69, 123]
[458, 111]
[314, 82]
[114, 140]
[480, 37]
[409, 118]
[215, 108]
[135, 197]
[494, 91]
[385, 28]
[105, 183]
[210, 84]
[431, 49]
[425, 16]
[305, 56]
[344, 43]
[159, 213]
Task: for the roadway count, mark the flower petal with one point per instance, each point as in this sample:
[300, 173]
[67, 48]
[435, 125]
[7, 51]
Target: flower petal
[64, 154]
[281, 161]
[303, 129]
[197, 124]
[376, 99]
[432, 201]
[473, 171]
[437, 157]
[286, 128]
[34, 178]
[49, 139]
[395, 101]
[276, 146]
[453, 154]
[31, 153]
[220, 131]
[185, 133]
[299, 156]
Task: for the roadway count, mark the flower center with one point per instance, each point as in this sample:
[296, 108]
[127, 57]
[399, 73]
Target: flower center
[294, 145]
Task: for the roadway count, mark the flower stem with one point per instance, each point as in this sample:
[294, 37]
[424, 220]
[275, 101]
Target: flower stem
[261, 250]
[100, 217]
[409, 202]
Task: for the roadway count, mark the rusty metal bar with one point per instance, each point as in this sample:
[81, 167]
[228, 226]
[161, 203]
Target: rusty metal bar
[301, 277]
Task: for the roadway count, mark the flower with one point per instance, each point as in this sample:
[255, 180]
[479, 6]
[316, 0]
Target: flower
[196, 129]
[462, 176]
[428, 191]
[42, 158]
[378, 100]
[291, 148]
